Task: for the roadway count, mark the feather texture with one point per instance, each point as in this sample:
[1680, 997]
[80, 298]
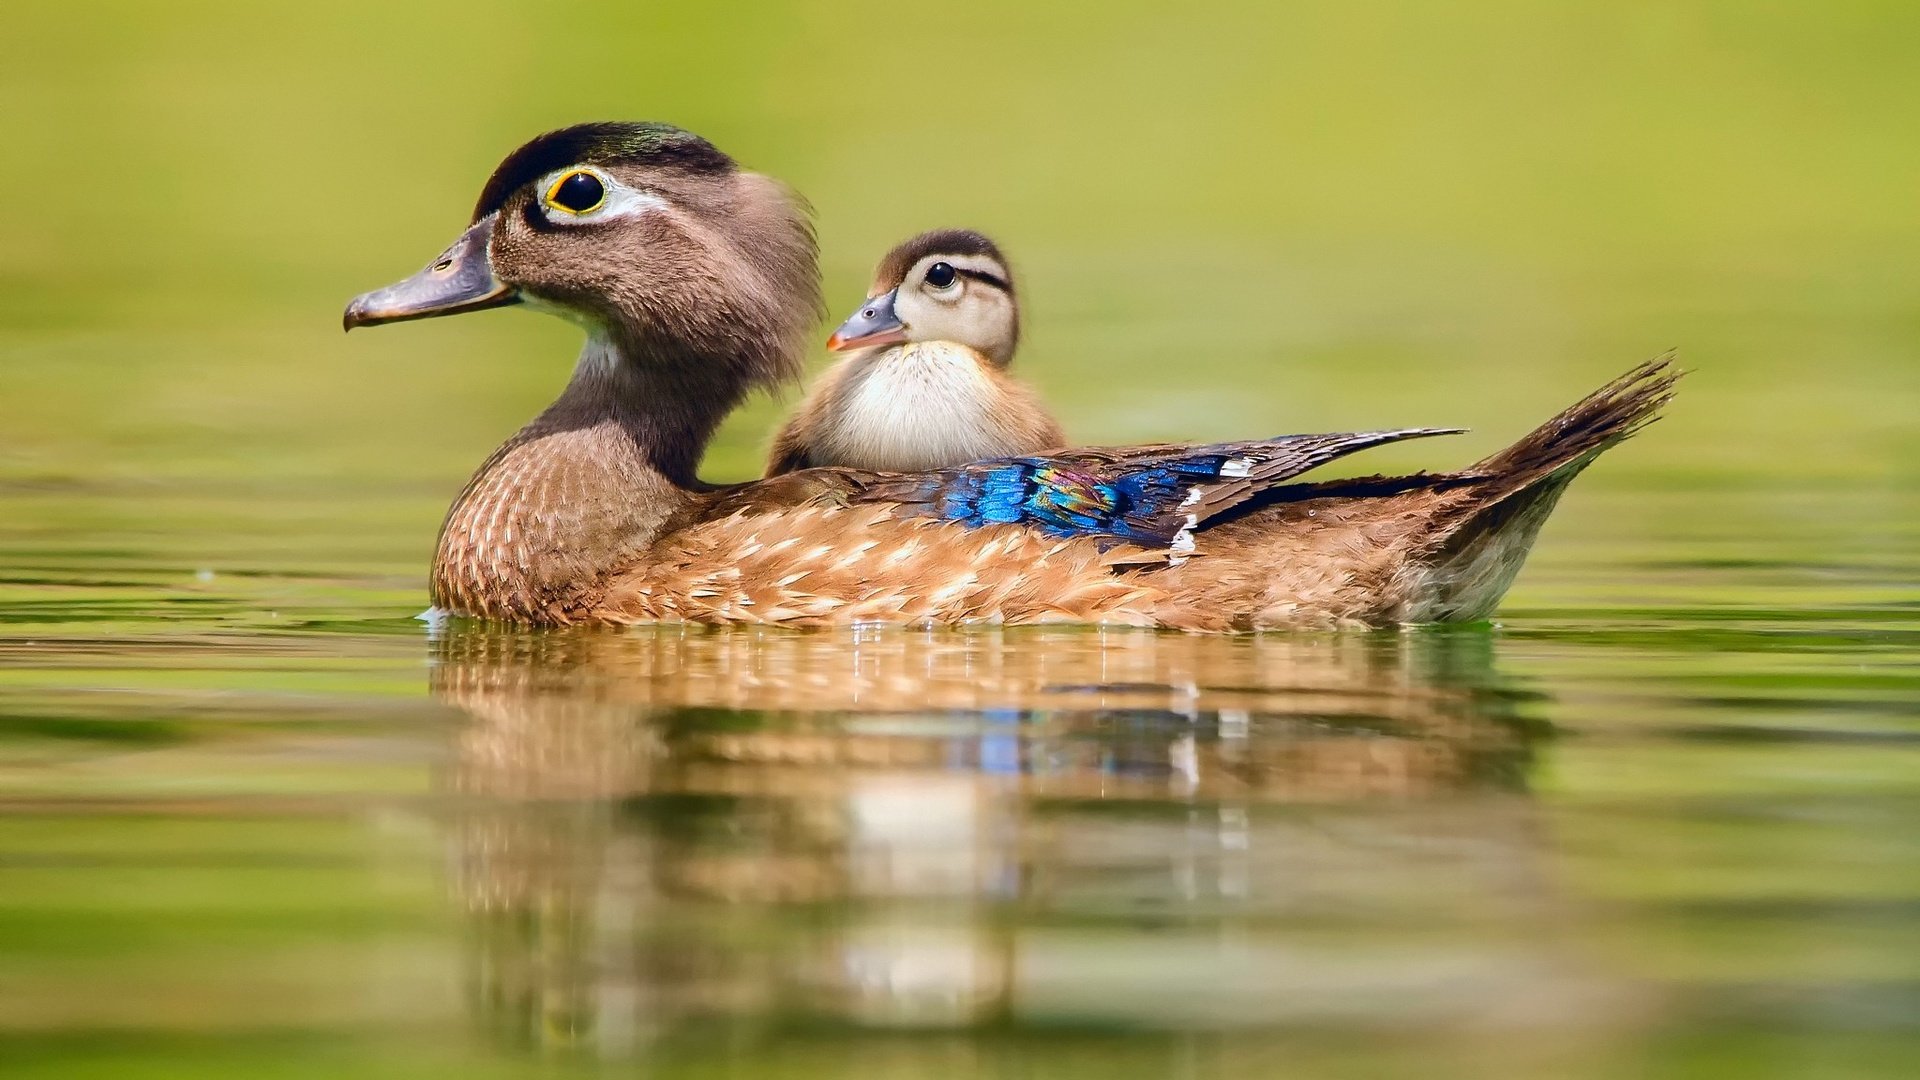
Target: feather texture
[1151, 495]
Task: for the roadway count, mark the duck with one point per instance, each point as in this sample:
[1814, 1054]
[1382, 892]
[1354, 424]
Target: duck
[697, 283]
[925, 384]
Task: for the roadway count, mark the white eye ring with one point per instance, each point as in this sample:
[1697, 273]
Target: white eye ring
[617, 200]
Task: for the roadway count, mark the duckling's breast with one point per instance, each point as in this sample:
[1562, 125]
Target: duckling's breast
[923, 405]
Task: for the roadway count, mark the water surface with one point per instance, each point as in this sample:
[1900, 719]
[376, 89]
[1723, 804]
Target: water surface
[1591, 840]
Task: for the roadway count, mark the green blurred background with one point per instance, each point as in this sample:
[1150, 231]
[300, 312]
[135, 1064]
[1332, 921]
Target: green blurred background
[227, 828]
[1230, 219]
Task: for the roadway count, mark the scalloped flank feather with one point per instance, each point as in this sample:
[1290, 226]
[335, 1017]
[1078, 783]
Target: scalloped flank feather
[1153, 536]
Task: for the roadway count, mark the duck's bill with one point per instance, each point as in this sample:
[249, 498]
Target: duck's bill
[874, 324]
[459, 280]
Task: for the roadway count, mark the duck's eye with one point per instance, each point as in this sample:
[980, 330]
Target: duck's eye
[578, 192]
[941, 276]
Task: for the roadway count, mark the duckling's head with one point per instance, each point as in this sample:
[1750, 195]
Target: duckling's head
[646, 234]
[945, 285]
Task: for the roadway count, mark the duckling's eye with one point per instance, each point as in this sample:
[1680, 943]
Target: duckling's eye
[941, 276]
[578, 192]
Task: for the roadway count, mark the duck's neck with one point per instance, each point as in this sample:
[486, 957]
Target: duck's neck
[585, 488]
[665, 407]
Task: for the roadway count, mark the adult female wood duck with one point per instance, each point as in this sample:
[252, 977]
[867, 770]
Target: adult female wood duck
[697, 283]
[927, 384]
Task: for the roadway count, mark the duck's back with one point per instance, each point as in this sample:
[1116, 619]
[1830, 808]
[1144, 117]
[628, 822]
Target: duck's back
[1214, 538]
[1092, 535]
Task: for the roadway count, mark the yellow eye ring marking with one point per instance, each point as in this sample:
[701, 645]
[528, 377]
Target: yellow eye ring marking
[553, 190]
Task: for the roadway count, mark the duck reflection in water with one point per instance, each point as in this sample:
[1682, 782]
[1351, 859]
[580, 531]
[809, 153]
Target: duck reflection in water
[663, 830]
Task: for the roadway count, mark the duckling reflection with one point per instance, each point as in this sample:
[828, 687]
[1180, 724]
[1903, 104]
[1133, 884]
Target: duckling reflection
[893, 827]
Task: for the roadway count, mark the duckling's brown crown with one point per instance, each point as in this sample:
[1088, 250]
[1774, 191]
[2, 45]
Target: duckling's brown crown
[893, 268]
[646, 143]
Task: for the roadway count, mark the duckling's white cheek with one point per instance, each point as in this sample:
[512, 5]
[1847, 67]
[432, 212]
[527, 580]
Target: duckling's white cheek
[925, 319]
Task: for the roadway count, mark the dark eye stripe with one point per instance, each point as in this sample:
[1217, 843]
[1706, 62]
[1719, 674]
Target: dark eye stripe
[981, 275]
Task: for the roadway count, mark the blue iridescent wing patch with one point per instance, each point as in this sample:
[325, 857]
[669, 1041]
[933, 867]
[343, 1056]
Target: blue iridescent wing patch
[1033, 491]
[1149, 495]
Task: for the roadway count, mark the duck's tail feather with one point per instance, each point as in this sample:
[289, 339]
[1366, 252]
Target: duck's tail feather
[1570, 441]
[1481, 546]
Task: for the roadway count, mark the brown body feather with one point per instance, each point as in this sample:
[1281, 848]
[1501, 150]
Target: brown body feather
[812, 548]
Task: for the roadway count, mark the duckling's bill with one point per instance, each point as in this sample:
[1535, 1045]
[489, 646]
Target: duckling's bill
[874, 324]
[461, 279]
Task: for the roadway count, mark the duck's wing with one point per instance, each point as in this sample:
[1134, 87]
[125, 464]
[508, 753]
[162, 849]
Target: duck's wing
[1150, 495]
[1026, 539]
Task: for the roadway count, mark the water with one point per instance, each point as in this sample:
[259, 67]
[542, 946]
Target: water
[269, 826]
[256, 820]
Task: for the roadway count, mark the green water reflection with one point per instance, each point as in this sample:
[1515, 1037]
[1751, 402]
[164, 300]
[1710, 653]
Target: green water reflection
[256, 821]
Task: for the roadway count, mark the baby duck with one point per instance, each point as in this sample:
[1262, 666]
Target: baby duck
[926, 386]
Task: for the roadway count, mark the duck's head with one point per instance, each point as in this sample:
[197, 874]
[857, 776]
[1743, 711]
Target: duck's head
[945, 285]
[646, 234]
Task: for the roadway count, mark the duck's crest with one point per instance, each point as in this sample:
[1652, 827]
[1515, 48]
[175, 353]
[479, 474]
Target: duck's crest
[601, 143]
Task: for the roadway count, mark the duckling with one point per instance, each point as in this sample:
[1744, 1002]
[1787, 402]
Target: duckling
[697, 281]
[926, 384]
